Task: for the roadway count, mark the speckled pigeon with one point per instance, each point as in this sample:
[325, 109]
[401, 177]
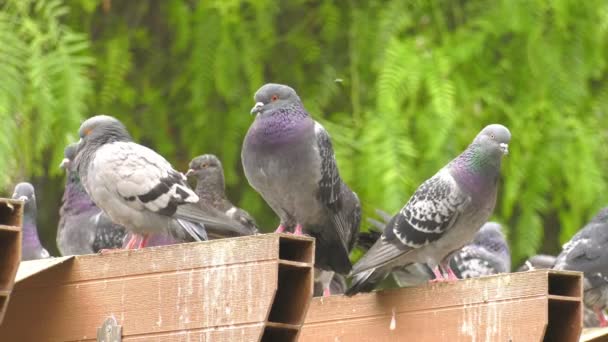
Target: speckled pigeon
[83, 227]
[488, 254]
[540, 261]
[31, 248]
[138, 188]
[211, 189]
[443, 215]
[289, 159]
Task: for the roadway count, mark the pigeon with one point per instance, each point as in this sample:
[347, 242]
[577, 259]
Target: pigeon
[337, 286]
[443, 214]
[138, 188]
[488, 254]
[540, 261]
[211, 190]
[595, 298]
[289, 160]
[586, 251]
[83, 227]
[31, 249]
[154, 240]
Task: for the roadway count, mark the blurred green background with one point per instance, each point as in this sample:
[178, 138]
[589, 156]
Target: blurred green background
[402, 87]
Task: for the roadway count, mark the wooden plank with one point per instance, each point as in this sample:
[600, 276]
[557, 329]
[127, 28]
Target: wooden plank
[594, 335]
[32, 267]
[156, 303]
[520, 320]
[10, 228]
[177, 257]
[224, 290]
[11, 216]
[517, 306]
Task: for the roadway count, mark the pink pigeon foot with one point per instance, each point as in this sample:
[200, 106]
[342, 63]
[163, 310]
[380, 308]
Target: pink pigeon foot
[106, 251]
[601, 317]
[298, 230]
[132, 241]
[451, 275]
[144, 240]
[280, 229]
[438, 276]
[326, 292]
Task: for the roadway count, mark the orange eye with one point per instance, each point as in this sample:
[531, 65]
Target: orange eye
[205, 165]
[274, 98]
[88, 131]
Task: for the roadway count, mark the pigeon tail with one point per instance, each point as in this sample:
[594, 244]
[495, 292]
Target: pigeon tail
[366, 281]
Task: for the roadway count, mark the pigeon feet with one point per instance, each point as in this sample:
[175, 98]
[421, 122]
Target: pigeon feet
[601, 317]
[106, 251]
[132, 242]
[326, 292]
[298, 230]
[451, 275]
[438, 276]
[280, 229]
[144, 241]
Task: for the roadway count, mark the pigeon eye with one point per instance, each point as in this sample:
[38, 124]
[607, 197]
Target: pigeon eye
[205, 165]
[492, 136]
[274, 98]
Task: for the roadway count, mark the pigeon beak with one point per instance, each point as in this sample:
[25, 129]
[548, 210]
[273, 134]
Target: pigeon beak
[504, 148]
[22, 198]
[189, 173]
[257, 108]
[64, 163]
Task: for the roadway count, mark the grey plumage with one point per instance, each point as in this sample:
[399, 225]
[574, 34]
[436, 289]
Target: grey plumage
[31, 248]
[211, 189]
[540, 261]
[595, 298]
[442, 215]
[288, 158]
[83, 227]
[137, 187]
[486, 255]
[586, 251]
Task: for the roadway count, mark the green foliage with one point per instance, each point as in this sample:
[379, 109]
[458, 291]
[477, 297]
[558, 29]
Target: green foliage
[402, 86]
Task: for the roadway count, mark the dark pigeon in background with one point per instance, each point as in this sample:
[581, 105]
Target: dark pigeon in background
[138, 188]
[537, 262]
[443, 215]
[586, 252]
[211, 189]
[31, 248]
[83, 227]
[288, 158]
[488, 254]
[595, 298]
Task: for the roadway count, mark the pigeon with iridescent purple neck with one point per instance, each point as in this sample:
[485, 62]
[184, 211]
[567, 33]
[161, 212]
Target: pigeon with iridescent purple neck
[442, 215]
[288, 158]
[31, 248]
[83, 227]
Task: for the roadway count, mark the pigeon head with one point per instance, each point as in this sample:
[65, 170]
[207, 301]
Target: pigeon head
[102, 129]
[272, 96]
[25, 192]
[69, 153]
[494, 139]
[208, 171]
[204, 165]
[490, 236]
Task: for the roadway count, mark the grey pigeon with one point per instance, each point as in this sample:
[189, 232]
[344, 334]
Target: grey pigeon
[337, 286]
[138, 188]
[83, 227]
[595, 298]
[540, 261]
[443, 215]
[31, 248]
[154, 240]
[586, 251]
[288, 158]
[488, 254]
[211, 189]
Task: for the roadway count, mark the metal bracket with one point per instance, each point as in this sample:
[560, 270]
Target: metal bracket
[110, 331]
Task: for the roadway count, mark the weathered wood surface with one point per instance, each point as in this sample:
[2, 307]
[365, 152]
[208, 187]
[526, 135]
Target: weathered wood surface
[223, 290]
[594, 335]
[11, 216]
[526, 306]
